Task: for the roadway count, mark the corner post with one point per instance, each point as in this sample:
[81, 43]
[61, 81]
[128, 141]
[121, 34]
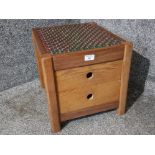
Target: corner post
[124, 78]
[50, 87]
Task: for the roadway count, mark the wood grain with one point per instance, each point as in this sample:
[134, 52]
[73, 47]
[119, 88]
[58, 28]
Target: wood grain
[49, 80]
[39, 64]
[124, 78]
[76, 59]
[88, 111]
[73, 86]
[38, 43]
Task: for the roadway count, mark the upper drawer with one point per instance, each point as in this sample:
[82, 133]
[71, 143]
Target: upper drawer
[77, 59]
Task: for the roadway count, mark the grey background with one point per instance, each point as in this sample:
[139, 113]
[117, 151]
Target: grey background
[23, 109]
[17, 62]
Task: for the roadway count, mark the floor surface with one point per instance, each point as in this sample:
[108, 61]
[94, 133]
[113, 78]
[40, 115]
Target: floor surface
[23, 110]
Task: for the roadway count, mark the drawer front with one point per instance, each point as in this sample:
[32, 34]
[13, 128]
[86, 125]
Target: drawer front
[78, 59]
[87, 86]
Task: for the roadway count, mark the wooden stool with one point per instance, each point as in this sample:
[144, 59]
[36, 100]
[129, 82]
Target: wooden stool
[83, 68]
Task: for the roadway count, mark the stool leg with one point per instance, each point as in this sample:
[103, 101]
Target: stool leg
[124, 78]
[50, 88]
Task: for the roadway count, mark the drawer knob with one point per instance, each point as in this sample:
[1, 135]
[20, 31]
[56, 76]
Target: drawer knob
[89, 75]
[90, 96]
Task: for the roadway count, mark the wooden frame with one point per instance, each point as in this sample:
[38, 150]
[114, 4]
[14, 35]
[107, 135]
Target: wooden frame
[48, 64]
[49, 80]
[125, 77]
[76, 59]
[46, 75]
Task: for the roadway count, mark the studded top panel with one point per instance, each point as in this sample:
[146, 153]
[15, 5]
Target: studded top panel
[76, 37]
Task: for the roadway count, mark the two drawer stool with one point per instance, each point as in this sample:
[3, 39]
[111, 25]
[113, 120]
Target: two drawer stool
[84, 69]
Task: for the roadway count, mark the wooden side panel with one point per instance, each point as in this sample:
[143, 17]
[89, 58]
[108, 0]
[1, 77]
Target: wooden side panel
[124, 78]
[71, 60]
[51, 93]
[39, 53]
[74, 86]
[39, 66]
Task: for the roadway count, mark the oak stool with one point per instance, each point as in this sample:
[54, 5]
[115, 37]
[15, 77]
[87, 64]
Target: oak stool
[84, 69]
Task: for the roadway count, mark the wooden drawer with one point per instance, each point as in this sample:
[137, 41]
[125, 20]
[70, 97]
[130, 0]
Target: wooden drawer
[83, 87]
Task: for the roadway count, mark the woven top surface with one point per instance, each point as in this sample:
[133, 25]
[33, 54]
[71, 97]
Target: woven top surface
[76, 37]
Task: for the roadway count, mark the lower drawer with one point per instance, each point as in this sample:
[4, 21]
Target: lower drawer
[88, 86]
